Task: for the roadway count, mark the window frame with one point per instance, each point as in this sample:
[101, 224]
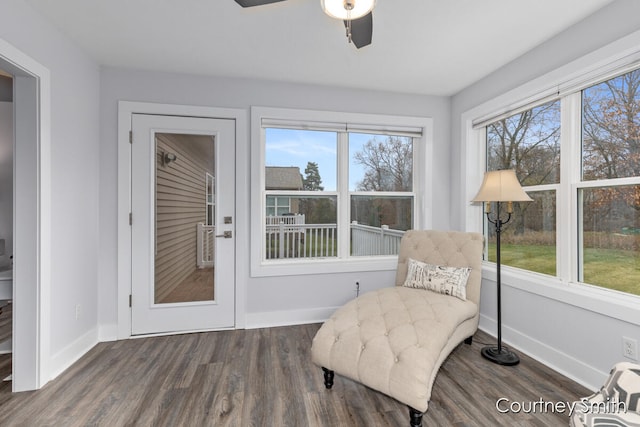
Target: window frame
[422, 190]
[564, 83]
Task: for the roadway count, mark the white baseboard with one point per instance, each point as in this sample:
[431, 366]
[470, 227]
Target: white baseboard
[108, 333]
[272, 319]
[66, 357]
[563, 363]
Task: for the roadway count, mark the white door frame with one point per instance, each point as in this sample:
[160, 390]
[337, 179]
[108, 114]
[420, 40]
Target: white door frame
[32, 218]
[125, 110]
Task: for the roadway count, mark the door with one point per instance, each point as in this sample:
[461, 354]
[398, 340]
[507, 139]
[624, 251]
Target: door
[182, 224]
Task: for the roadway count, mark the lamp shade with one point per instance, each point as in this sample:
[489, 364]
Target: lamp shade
[347, 9]
[501, 186]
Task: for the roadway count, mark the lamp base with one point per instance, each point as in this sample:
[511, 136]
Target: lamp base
[504, 357]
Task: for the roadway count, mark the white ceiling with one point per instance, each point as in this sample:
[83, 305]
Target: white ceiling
[434, 47]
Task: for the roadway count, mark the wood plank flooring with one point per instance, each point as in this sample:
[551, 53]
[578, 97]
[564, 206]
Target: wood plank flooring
[264, 377]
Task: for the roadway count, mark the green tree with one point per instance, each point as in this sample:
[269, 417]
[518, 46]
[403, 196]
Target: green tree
[312, 180]
[320, 210]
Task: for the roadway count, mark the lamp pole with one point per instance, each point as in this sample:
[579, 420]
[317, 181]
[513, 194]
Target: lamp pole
[497, 354]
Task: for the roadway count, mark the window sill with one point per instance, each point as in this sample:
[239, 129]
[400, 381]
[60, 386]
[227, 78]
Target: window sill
[324, 266]
[614, 304]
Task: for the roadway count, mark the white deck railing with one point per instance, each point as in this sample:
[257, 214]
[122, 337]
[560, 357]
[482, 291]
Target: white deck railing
[367, 240]
[299, 240]
[204, 245]
[285, 219]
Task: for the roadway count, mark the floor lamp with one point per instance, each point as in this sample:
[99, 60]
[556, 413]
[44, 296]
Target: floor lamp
[499, 187]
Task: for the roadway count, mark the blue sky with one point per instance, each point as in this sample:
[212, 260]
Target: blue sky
[289, 147]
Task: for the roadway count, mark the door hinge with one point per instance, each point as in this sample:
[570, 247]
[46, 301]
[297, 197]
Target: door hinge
[130, 218]
[130, 137]
[130, 300]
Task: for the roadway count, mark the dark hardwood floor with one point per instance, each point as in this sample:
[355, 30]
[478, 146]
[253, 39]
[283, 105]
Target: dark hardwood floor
[264, 377]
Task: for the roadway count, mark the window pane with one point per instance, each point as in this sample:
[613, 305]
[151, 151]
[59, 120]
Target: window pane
[528, 241]
[271, 201]
[300, 160]
[307, 230]
[380, 162]
[378, 223]
[611, 128]
[528, 142]
[611, 237]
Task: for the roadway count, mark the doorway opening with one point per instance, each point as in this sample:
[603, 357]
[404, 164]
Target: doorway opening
[31, 246]
[6, 227]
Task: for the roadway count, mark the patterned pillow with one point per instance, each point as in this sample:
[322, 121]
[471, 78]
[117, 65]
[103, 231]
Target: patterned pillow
[445, 280]
[616, 404]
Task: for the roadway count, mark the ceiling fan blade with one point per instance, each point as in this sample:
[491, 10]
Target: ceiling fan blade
[362, 30]
[251, 3]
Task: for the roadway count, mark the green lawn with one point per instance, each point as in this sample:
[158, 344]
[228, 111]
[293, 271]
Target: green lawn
[609, 268]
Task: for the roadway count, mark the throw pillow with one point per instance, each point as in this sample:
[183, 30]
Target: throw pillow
[437, 278]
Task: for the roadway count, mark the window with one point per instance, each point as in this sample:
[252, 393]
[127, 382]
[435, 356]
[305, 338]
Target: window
[301, 195]
[609, 190]
[278, 206]
[529, 143]
[380, 192]
[335, 191]
[597, 170]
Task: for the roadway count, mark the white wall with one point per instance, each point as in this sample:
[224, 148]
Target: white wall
[572, 337]
[74, 178]
[274, 299]
[6, 180]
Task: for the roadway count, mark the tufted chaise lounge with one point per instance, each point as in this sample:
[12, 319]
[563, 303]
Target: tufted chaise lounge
[394, 339]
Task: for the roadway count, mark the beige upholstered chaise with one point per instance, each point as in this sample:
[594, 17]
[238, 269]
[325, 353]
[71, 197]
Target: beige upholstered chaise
[394, 339]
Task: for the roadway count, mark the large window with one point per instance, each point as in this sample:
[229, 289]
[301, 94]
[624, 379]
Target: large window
[529, 142]
[303, 193]
[609, 190]
[336, 191]
[597, 171]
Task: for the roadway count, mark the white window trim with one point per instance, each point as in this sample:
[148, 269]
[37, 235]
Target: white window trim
[422, 187]
[605, 63]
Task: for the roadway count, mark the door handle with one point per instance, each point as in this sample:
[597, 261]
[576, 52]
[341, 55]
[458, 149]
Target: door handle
[227, 234]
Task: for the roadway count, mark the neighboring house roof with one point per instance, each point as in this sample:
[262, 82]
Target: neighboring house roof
[283, 178]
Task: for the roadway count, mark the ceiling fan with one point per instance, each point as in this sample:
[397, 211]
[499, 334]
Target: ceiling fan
[356, 14]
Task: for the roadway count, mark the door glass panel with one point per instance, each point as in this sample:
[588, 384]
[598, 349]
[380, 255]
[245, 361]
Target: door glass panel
[184, 218]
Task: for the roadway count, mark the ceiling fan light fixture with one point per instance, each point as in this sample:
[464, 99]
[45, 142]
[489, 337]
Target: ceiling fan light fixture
[347, 9]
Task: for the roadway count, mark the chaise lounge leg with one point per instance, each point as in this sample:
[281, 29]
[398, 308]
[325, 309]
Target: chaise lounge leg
[415, 417]
[328, 378]
[469, 340]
